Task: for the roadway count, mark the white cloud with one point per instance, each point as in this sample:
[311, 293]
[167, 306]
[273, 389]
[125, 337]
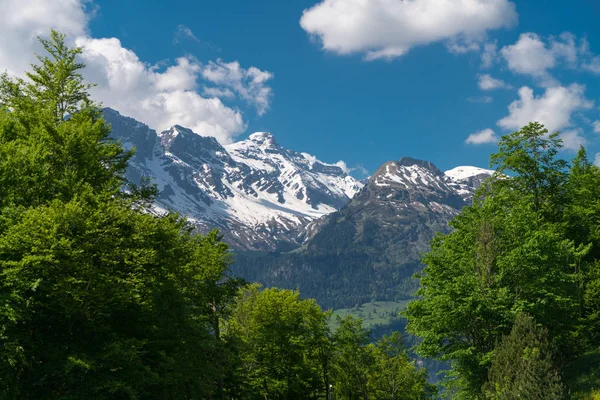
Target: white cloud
[249, 84]
[482, 137]
[597, 160]
[342, 164]
[156, 96]
[359, 169]
[532, 55]
[553, 109]
[23, 21]
[463, 45]
[573, 139]
[486, 82]
[565, 48]
[159, 99]
[224, 93]
[389, 29]
[489, 54]
[596, 126]
[591, 62]
[529, 56]
[593, 65]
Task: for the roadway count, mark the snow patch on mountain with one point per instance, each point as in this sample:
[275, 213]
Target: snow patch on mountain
[465, 172]
[260, 195]
[466, 179]
[422, 179]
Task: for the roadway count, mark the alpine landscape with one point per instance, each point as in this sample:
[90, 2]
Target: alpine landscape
[296, 222]
[174, 223]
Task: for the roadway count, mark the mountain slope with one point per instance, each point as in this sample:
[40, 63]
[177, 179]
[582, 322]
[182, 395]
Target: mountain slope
[258, 194]
[371, 247]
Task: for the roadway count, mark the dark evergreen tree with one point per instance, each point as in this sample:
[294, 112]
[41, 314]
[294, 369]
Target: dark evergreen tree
[522, 367]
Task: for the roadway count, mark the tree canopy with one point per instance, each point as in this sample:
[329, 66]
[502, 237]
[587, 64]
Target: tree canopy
[528, 244]
[102, 298]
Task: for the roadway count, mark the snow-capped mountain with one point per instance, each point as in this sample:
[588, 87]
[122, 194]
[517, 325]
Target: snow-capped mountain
[422, 181]
[418, 181]
[465, 180]
[371, 248]
[260, 195]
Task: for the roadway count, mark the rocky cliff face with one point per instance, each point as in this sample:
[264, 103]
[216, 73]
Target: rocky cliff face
[347, 242]
[258, 194]
[372, 246]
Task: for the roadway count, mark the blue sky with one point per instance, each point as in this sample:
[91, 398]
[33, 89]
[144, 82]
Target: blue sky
[371, 88]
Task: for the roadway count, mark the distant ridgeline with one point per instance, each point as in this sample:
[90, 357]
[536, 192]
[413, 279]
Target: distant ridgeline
[105, 295]
[259, 195]
[296, 222]
[370, 249]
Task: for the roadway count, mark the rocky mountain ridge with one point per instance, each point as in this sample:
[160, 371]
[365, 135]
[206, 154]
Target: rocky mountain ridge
[370, 249]
[258, 194]
[264, 197]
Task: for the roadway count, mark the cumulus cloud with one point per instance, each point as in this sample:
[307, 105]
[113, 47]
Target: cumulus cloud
[597, 160]
[596, 126]
[25, 20]
[553, 109]
[157, 96]
[482, 137]
[529, 56]
[486, 82]
[249, 84]
[159, 99]
[388, 29]
[573, 139]
[535, 56]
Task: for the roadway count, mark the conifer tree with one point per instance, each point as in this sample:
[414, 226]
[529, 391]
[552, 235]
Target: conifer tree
[43, 154]
[522, 367]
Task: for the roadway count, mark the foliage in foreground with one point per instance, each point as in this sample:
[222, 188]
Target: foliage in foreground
[523, 366]
[102, 299]
[285, 350]
[529, 244]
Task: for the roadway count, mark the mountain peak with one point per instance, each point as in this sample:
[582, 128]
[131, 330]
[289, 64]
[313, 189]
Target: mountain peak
[260, 195]
[263, 138]
[178, 129]
[406, 169]
[428, 165]
[465, 172]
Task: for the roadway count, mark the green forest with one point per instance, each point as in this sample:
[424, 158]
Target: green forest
[101, 298]
[511, 296]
